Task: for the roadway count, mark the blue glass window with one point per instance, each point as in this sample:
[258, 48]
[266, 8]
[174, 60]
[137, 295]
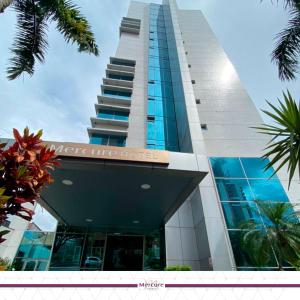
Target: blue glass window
[117, 94]
[241, 194]
[234, 190]
[162, 130]
[227, 167]
[108, 140]
[237, 212]
[241, 258]
[151, 131]
[254, 168]
[35, 249]
[151, 107]
[268, 190]
[113, 114]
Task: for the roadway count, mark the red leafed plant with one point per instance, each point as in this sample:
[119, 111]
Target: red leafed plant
[24, 171]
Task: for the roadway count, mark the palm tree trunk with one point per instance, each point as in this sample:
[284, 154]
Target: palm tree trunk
[4, 4]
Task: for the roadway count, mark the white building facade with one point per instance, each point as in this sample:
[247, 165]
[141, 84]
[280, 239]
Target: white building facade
[171, 87]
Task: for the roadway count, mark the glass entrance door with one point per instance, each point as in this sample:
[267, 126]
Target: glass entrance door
[35, 265]
[124, 253]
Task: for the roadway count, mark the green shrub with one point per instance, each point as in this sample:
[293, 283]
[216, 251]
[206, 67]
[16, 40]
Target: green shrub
[178, 268]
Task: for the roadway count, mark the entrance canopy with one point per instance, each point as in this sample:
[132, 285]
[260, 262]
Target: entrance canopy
[119, 188]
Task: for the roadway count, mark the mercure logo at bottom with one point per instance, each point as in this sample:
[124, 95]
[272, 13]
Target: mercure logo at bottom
[151, 284]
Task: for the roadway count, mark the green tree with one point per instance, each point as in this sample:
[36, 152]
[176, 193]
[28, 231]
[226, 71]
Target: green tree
[287, 48]
[279, 234]
[33, 18]
[284, 146]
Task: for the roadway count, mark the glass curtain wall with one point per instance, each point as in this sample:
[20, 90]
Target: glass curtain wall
[75, 249]
[34, 252]
[161, 121]
[239, 182]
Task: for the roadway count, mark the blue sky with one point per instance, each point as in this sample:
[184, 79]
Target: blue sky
[60, 97]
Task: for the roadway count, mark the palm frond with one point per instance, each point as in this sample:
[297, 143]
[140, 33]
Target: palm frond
[4, 4]
[30, 43]
[284, 147]
[286, 3]
[72, 24]
[286, 52]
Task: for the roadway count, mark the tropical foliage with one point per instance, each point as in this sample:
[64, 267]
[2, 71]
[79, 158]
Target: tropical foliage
[33, 18]
[278, 234]
[287, 48]
[24, 171]
[4, 4]
[284, 146]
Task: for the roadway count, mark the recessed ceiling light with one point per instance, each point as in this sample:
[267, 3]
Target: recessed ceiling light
[117, 233]
[67, 182]
[89, 220]
[136, 222]
[145, 186]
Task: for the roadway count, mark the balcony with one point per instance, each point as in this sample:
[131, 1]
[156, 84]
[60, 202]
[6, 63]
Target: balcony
[118, 82]
[122, 62]
[114, 100]
[108, 131]
[109, 124]
[119, 75]
[116, 67]
[130, 25]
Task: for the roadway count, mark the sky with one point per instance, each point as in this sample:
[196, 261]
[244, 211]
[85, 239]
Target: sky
[60, 96]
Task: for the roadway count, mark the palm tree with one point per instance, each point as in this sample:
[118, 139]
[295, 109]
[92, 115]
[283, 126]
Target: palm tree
[278, 234]
[284, 147]
[287, 48]
[33, 17]
[4, 4]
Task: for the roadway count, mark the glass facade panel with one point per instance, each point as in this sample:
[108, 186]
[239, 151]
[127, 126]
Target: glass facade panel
[152, 253]
[239, 182]
[241, 258]
[34, 251]
[75, 248]
[268, 190]
[237, 212]
[234, 190]
[254, 168]
[117, 94]
[108, 140]
[113, 115]
[67, 251]
[227, 167]
[162, 131]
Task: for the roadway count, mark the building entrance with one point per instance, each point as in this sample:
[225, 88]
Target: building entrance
[74, 249]
[124, 253]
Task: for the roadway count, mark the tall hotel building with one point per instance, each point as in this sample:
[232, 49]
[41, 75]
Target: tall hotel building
[173, 166]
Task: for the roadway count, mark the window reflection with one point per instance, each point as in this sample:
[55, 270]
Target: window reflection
[34, 251]
[255, 168]
[241, 258]
[237, 212]
[234, 190]
[268, 190]
[227, 167]
[162, 128]
[237, 197]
